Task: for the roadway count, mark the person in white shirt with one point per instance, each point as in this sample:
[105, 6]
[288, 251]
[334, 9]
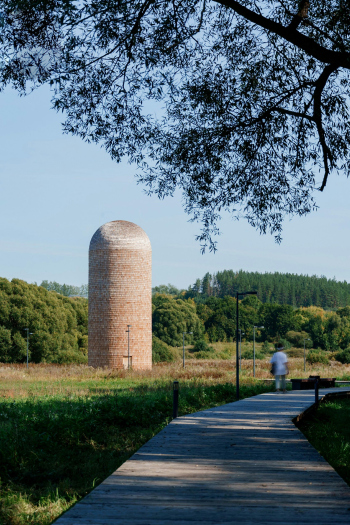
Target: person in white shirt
[279, 363]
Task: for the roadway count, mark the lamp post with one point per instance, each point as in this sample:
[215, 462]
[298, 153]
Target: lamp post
[128, 332]
[305, 355]
[183, 347]
[28, 334]
[237, 325]
[259, 328]
[240, 348]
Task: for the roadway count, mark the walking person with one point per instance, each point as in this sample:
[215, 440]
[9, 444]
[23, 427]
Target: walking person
[279, 369]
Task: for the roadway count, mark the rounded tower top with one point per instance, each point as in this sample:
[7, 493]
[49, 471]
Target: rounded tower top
[120, 235]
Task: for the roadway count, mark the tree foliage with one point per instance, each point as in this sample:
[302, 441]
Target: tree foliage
[161, 352]
[168, 289]
[58, 324]
[171, 317]
[282, 288]
[299, 339]
[242, 105]
[282, 323]
[66, 289]
[344, 356]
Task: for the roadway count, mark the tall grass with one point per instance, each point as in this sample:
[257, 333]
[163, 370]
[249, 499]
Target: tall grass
[64, 429]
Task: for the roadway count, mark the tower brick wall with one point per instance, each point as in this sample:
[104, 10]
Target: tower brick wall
[120, 294]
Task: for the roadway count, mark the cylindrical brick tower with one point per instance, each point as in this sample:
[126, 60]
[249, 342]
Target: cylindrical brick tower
[120, 294]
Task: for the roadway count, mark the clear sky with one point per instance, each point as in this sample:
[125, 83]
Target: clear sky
[56, 190]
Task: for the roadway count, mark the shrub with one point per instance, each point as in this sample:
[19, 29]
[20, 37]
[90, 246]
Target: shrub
[297, 339]
[344, 356]
[202, 350]
[226, 353]
[320, 357]
[161, 352]
[266, 347]
[248, 354]
[285, 343]
[202, 346]
[71, 356]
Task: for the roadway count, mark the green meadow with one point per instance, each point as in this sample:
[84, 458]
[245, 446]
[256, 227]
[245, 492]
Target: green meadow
[65, 429]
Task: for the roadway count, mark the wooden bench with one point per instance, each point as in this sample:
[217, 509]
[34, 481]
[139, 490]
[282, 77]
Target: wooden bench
[309, 383]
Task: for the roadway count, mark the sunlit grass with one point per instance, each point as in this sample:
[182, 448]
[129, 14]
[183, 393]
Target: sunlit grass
[65, 429]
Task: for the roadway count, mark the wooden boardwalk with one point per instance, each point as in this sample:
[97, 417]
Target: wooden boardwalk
[243, 462]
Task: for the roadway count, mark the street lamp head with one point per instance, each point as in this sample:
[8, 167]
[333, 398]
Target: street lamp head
[246, 293]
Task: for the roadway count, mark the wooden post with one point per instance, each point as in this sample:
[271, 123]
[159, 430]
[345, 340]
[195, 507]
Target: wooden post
[175, 399]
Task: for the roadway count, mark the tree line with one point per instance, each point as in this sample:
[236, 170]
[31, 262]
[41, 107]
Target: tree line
[59, 324]
[68, 290]
[214, 319]
[283, 288]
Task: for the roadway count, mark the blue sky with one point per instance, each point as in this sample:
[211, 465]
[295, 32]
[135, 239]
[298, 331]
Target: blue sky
[56, 190]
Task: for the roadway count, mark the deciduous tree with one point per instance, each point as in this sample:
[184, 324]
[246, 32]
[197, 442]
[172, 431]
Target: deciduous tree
[242, 105]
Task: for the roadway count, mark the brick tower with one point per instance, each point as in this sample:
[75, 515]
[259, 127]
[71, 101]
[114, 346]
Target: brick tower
[120, 294]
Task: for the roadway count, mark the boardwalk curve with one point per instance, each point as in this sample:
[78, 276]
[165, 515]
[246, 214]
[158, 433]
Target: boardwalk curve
[244, 462]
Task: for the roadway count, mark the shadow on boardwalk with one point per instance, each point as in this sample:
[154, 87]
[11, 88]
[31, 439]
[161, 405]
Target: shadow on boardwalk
[244, 462]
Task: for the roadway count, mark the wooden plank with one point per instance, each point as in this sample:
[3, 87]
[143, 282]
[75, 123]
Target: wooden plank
[243, 462]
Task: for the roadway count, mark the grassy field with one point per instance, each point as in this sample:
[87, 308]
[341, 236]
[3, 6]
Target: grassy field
[63, 429]
[328, 430]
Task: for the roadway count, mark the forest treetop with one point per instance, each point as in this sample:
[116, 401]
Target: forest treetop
[282, 288]
[243, 106]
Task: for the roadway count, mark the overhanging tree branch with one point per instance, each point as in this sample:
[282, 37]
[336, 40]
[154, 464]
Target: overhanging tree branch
[248, 110]
[307, 44]
[327, 154]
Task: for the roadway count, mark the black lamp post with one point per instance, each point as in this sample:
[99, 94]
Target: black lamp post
[237, 330]
[240, 348]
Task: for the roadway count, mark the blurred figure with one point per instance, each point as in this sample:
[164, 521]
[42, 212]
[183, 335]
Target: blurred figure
[279, 363]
